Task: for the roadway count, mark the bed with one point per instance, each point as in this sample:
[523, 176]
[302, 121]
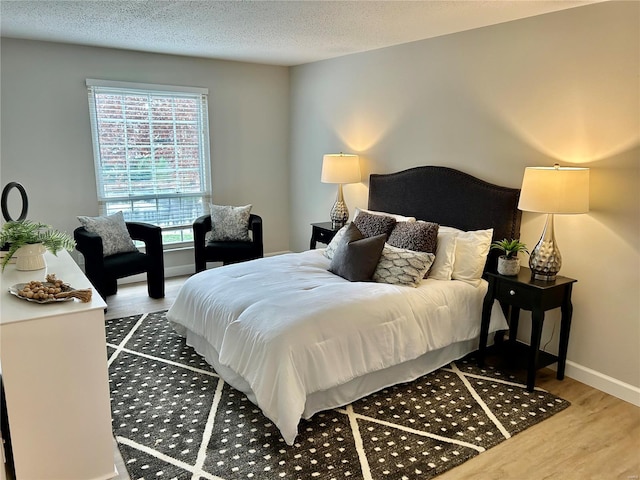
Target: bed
[297, 339]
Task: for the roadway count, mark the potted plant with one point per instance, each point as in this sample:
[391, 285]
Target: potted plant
[509, 263]
[29, 240]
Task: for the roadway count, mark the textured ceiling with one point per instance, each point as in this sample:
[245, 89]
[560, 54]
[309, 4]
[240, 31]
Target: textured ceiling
[271, 32]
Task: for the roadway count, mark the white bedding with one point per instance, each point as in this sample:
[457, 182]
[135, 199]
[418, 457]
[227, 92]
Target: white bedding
[290, 329]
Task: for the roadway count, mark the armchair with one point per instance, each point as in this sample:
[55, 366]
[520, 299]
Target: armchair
[228, 251]
[103, 272]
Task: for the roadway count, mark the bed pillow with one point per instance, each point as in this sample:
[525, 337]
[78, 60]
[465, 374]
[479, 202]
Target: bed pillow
[471, 253]
[442, 268]
[419, 236]
[357, 256]
[113, 231]
[372, 225]
[400, 266]
[229, 223]
[398, 218]
[330, 250]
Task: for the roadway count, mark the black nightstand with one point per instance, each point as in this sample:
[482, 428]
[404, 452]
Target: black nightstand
[522, 292]
[323, 233]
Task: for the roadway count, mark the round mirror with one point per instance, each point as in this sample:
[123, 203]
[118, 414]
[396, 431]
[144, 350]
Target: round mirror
[5, 197]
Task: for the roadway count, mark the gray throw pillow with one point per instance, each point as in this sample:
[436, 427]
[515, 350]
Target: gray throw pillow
[357, 256]
[372, 225]
[229, 223]
[418, 236]
[113, 231]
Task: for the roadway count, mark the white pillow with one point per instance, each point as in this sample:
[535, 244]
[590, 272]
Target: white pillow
[470, 254]
[400, 266]
[398, 218]
[113, 231]
[442, 268]
[335, 242]
[229, 223]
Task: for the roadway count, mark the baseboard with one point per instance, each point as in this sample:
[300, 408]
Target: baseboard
[624, 391]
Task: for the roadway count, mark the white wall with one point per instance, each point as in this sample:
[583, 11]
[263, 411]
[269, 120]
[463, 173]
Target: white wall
[561, 87]
[46, 138]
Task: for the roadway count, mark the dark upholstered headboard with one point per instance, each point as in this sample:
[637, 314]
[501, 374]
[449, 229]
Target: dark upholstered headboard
[448, 197]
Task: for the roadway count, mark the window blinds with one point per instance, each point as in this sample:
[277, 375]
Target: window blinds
[151, 152]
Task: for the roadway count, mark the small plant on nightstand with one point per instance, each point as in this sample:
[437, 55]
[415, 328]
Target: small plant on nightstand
[509, 263]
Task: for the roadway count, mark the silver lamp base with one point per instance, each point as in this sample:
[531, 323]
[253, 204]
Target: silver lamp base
[545, 259]
[339, 212]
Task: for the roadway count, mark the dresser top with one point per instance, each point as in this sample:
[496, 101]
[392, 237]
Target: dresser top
[14, 309]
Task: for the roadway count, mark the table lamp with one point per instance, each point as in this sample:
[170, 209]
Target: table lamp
[551, 190]
[340, 168]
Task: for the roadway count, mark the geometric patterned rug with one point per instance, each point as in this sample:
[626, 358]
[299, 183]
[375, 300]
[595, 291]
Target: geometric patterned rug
[174, 418]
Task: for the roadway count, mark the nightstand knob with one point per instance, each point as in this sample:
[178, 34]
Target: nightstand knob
[512, 292]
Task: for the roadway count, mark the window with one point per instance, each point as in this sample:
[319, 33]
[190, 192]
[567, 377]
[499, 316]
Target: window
[151, 152]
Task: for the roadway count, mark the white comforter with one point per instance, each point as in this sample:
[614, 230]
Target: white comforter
[289, 328]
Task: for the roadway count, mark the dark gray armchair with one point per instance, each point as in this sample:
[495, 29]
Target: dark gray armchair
[103, 272]
[228, 251]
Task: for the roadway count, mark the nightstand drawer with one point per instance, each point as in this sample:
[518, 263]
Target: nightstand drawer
[324, 236]
[514, 294]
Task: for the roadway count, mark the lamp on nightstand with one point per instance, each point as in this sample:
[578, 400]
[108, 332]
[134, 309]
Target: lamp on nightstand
[551, 190]
[340, 168]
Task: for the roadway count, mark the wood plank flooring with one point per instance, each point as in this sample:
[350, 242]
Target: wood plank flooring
[598, 437]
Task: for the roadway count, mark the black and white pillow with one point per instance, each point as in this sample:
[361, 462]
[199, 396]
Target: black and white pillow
[229, 223]
[371, 225]
[400, 266]
[335, 241]
[113, 231]
[419, 236]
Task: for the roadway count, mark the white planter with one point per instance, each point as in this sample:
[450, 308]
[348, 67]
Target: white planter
[31, 257]
[508, 266]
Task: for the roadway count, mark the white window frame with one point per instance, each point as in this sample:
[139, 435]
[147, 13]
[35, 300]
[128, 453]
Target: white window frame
[109, 203]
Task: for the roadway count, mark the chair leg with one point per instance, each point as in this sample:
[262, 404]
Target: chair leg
[155, 285]
[110, 286]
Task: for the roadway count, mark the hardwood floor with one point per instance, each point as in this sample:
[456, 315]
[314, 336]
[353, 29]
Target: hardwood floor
[598, 437]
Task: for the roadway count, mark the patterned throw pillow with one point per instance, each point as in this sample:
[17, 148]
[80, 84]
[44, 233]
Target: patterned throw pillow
[419, 236]
[398, 218]
[113, 231]
[372, 225]
[357, 256]
[229, 223]
[399, 266]
[335, 241]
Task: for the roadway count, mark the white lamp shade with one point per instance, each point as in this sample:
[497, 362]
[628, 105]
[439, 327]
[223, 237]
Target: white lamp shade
[555, 190]
[340, 168]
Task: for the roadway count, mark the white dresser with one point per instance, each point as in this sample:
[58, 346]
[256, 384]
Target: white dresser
[54, 369]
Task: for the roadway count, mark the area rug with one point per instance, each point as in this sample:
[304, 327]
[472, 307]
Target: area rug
[174, 418]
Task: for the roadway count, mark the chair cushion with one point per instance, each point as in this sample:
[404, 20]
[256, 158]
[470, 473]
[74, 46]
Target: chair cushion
[231, 251]
[229, 223]
[124, 264]
[113, 231]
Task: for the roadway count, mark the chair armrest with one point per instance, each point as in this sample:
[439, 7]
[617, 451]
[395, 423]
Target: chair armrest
[200, 228]
[88, 243]
[255, 225]
[90, 246]
[151, 235]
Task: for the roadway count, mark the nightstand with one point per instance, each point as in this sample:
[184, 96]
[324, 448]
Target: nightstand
[323, 233]
[522, 292]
